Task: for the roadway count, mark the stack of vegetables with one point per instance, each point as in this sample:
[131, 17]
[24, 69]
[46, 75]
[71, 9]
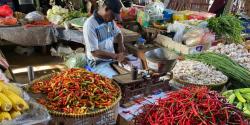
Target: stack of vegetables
[226, 65]
[191, 106]
[227, 26]
[57, 15]
[76, 91]
[240, 98]
[11, 102]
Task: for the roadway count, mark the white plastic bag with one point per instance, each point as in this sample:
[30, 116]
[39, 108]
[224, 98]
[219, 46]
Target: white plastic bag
[34, 16]
[36, 114]
[179, 29]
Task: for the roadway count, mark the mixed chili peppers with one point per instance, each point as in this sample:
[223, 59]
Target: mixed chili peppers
[191, 106]
[76, 91]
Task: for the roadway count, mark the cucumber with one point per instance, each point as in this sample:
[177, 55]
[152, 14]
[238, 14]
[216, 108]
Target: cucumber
[227, 93]
[239, 105]
[246, 110]
[246, 113]
[246, 96]
[239, 96]
[244, 90]
[231, 99]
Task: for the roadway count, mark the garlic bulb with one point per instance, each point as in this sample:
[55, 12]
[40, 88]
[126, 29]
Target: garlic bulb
[197, 72]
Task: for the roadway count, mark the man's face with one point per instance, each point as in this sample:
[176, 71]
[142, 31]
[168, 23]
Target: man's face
[109, 16]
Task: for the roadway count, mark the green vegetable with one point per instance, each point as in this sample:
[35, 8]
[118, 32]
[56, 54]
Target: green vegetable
[227, 93]
[246, 96]
[239, 96]
[226, 65]
[246, 109]
[239, 105]
[231, 99]
[228, 26]
[245, 90]
[74, 14]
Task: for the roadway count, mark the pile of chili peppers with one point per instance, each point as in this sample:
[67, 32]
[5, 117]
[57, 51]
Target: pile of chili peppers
[76, 91]
[191, 106]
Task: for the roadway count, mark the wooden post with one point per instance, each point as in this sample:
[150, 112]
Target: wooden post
[247, 7]
[228, 6]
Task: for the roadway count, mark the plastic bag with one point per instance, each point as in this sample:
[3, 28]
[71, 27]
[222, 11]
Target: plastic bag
[193, 36]
[3, 77]
[143, 18]
[155, 9]
[178, 28]
[34, 16]
[77, 60]
[36, 114]
[6, 11]
[196, 36]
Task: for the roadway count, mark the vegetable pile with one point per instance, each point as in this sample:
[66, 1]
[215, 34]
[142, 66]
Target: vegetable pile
[76, 91]
[57, 15]
[228, 26]
[191, 106]
[11, 102]
[240, 98]
[197, 72]
[238, 53]
[225, 65]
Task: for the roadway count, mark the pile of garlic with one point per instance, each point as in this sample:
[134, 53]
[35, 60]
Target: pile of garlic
[196, 72]
[236, 52]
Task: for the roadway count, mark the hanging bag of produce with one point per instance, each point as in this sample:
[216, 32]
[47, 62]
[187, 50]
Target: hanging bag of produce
[5, 11]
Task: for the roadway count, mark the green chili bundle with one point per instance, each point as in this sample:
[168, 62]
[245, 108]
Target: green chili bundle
[225, 65]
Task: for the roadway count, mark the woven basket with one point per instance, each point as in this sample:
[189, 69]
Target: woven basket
[89, 116]
[207, 85]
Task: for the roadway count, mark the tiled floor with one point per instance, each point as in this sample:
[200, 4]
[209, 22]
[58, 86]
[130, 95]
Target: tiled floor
[42, 63]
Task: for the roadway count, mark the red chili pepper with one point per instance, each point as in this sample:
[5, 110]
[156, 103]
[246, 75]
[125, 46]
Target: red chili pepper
[188, 106]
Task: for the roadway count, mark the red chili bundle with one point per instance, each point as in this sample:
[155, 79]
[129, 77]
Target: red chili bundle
[191, 106]
[76, 91]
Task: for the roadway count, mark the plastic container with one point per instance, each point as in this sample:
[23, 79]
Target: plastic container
[167, 14]
[160, 60]
[140, 42]
[178, 17]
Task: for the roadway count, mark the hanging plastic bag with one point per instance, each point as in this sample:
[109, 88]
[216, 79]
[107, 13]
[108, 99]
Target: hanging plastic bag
[5, 11]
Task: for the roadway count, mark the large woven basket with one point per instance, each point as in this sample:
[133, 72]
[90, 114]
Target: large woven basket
[88, 115]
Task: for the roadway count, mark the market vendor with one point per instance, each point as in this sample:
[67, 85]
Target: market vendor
[100, 31]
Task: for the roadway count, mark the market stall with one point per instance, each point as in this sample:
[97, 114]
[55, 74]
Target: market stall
[187, 76]
[33, 29]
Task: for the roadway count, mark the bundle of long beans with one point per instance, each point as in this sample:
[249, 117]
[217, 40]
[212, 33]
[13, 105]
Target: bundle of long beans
[225, 65]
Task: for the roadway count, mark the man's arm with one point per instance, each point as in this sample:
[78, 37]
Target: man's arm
[119, 39]
[104, 54]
